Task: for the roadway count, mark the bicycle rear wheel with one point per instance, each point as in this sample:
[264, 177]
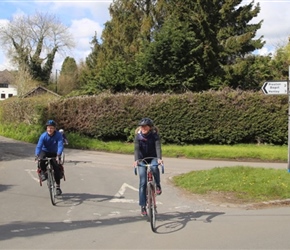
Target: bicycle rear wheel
[151, 206]
[51, 186]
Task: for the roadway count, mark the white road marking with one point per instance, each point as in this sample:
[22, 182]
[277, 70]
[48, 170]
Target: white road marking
[123, 189]
[69, 220]
[114, 213]
[119, 196]
[29, 171]
[28, 229]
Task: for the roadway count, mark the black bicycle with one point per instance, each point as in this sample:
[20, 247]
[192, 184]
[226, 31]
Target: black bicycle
[51, 184]
[150, 190]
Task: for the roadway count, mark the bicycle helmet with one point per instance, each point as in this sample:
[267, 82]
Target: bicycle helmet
[51, 123]
[146, 121]
[61, 131]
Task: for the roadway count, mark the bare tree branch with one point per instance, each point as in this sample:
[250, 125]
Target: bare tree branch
[31, 42]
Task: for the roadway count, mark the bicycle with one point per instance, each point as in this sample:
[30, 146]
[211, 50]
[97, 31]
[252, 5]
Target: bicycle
[51, 184]
[150, 190]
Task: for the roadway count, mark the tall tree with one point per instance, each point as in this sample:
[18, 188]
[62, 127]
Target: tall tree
[225, 34]
[236, 38]
[170, 62]
[198, 44]
[122, 38]
[131, 24]
[280, 62]
[33, 41]
[88, 70]
[68, 78]
[177, 45]
[92, 58]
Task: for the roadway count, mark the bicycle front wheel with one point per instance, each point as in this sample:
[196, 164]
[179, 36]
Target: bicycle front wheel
[51, 186]
[151, 206]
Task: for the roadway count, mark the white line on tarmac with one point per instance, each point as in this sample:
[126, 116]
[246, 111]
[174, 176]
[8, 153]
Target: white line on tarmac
[119, 196]
[29, 171]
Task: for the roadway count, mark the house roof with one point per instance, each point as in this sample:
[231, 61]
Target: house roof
[6, 77]
[40, 91]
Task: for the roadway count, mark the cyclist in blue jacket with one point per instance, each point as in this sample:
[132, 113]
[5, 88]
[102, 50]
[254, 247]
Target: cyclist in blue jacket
[147, 144]
[50, 144]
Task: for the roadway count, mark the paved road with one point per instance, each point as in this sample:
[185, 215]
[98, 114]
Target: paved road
[99, 208]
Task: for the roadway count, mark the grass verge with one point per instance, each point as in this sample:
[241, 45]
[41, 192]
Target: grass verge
[244, 184]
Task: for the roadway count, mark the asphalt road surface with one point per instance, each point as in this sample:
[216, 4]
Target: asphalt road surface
[99, 208]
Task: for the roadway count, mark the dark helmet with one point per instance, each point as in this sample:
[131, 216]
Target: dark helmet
[51, 123]
[146, 121]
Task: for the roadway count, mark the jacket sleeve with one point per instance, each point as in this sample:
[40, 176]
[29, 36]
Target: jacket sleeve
[136, 149]
[158, 147]
[39, 145]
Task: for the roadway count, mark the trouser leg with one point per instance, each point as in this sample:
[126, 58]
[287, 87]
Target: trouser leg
[142, 185]
[156, 172]
[57, 172]
[42, 164]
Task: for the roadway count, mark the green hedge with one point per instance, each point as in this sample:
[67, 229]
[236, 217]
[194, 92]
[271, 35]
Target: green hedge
[223, 117]
[24, 110]
[215, 117]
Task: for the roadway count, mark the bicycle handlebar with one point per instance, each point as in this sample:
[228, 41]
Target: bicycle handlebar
[48, 159]
[162, 168]
[135, 170]
[148, 164]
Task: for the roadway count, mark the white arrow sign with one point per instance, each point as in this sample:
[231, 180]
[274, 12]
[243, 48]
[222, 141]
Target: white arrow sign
[275, 88]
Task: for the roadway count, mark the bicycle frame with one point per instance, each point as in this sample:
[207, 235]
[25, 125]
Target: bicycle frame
[50, 178]
[150, 190]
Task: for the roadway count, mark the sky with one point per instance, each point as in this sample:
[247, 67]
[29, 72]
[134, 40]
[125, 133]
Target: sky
[85, 17]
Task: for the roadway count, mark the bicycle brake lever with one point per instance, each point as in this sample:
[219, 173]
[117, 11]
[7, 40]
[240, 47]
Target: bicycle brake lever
[162, 169]
[135, 170]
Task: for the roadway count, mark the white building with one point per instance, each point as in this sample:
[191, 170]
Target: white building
[6, 89]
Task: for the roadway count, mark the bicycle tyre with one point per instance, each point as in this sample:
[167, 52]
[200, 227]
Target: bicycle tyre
[151, 206]
[51, 186]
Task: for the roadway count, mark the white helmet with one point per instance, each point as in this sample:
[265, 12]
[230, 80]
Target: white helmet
[61, 131]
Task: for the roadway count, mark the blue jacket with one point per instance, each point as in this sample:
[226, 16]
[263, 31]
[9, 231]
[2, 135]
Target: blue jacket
[51, 144]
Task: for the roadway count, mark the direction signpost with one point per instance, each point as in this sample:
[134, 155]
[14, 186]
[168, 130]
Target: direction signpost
[280, 87]
[275, 87]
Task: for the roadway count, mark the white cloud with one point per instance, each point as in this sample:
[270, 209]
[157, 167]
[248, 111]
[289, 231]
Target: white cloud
[276, 24]
[83, 31]
[5, 64]
[264, 51]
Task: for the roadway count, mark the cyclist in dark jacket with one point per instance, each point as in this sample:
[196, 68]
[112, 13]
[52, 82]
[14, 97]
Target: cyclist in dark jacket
[147, 144]
[50, 144]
